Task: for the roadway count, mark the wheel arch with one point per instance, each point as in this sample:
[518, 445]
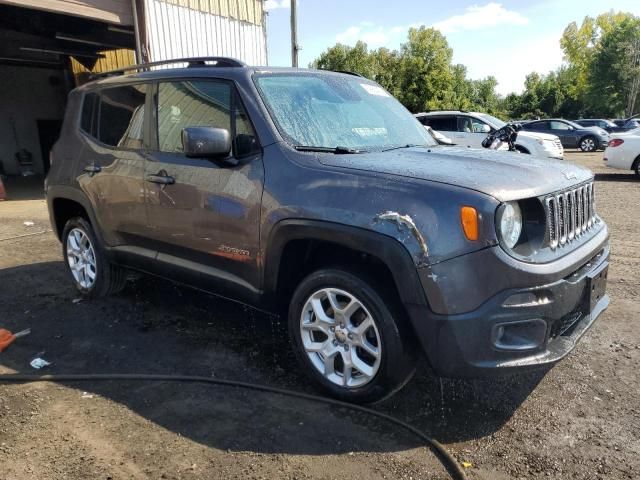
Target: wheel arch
[65, 203]
[292, 244]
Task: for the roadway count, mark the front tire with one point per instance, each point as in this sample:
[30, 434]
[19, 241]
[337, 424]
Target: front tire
[588, 144]
[92, 273]
[347, 339]
[636, 167]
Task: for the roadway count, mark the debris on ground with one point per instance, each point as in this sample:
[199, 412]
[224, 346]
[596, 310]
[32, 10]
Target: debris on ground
[39, 363]
[7, 338]
[28, 223]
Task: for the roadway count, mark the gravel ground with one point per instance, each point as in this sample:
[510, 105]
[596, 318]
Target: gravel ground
[579, 420]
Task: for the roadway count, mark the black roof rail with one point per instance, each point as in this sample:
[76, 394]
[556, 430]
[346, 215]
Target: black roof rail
[191, 62]
[348, 72]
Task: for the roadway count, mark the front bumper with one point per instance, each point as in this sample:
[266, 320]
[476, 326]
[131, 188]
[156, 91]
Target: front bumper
[505, 336]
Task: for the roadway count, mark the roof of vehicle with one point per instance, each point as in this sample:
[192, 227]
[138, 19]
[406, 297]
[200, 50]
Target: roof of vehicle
[193, 67]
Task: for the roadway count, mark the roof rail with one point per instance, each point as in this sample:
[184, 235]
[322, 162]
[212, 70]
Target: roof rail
[191, 62]
[348, 72]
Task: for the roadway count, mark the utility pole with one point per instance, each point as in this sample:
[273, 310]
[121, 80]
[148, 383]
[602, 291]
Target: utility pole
[294, 34]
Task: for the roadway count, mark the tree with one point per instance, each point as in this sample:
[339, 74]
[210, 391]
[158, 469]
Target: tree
[614, 77]
[425, 70]
[345, 58]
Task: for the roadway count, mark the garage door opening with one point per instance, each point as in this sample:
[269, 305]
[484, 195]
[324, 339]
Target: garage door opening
[44, 53]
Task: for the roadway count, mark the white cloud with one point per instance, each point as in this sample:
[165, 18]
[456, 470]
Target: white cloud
[367, 32]
[475, 18]
[479, 17]
[273, 4]
[514, 61]
[374, 36]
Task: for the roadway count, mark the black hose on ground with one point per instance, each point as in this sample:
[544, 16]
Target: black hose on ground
[447, 460]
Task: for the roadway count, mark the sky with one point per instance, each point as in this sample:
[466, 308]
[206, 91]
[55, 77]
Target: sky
[506, 39]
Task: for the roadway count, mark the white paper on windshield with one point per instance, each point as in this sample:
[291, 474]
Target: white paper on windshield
[375, 90]
[369, 131]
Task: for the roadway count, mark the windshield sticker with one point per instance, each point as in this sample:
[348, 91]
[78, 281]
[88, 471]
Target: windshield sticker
[369, 131]
[375, 90]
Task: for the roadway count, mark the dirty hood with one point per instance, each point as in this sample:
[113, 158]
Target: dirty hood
[503, 175]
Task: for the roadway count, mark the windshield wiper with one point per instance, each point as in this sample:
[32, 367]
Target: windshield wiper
[338, 149]
[410, 145]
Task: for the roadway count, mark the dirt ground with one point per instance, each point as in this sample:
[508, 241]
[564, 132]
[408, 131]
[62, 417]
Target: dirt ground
[579, 420]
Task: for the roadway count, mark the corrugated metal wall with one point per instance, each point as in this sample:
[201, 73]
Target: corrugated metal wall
[113, 59]
[199, 28]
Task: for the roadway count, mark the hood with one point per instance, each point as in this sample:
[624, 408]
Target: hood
[537, 135]
[503, 175]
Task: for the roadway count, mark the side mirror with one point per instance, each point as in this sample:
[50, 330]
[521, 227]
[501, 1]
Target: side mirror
[206, 142]
[485, 128]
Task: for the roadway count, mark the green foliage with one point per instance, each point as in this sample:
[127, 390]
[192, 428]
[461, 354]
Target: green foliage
[419, 74]
[600, 76]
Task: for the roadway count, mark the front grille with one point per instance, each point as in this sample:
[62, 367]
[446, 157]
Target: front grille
[570, 214]
[558, 145]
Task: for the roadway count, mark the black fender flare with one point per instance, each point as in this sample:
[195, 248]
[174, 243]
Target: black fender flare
[75, 195]
[387, 249]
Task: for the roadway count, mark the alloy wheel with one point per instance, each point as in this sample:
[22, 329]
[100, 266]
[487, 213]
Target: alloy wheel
[81, 258]
[588, 145]
[340, 337]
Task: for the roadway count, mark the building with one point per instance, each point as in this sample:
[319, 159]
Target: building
[47, 47]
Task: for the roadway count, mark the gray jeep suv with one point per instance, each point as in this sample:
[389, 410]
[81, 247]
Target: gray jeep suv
[317, 195]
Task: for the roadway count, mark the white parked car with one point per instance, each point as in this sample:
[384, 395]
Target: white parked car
[470, 128]
[623, 151]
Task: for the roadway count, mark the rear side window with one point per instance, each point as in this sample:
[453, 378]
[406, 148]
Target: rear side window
[202, 104]
[539, 126]
[121, 116]
[442, 123]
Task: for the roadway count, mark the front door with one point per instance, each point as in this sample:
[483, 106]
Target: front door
[565, 132]
[203, 215]
[471, 131]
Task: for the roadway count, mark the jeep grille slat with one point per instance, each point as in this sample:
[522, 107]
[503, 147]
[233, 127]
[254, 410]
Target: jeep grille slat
[570, 214]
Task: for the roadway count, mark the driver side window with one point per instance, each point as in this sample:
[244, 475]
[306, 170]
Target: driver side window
[555, 125]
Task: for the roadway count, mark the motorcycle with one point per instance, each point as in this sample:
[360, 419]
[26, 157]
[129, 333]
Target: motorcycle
[503, 138]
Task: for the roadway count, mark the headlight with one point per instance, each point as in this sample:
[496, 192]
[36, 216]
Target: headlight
[510, 223]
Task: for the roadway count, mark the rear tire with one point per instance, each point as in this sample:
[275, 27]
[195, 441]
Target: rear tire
[92, 273]
[588, 144]
[347, 339]
[636, 166]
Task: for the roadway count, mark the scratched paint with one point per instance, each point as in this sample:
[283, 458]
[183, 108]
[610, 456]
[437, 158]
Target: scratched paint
[404, 221]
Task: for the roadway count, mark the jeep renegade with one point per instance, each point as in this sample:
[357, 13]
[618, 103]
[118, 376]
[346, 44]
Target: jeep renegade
[318, 195]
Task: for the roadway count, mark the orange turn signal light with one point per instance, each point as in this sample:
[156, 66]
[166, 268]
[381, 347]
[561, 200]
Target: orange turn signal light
[469, 219]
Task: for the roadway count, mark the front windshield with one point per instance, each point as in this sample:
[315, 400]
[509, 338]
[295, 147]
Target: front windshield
[326, 110]
[496, 122]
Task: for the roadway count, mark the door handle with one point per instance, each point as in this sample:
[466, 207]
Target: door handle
[161, 177]
[92, 169]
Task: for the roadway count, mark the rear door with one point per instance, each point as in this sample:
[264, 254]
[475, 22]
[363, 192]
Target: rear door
[112, 162]
[205, 219]
[445, 124]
